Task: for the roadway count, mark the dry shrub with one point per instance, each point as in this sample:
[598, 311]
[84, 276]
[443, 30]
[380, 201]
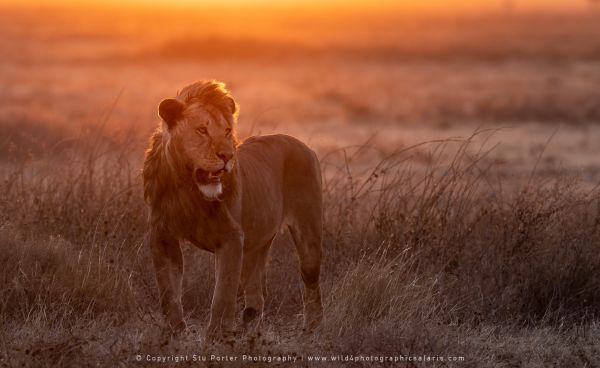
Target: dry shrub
[483, 253]
[423, 250]
[71, 228]
[380, 291]
[49, 283]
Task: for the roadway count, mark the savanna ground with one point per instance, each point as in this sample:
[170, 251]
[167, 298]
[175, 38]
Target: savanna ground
[460, 161]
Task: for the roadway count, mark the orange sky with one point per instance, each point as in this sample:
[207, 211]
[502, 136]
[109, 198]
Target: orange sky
[417, 5]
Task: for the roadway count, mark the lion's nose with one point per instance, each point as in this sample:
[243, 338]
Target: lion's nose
[225, 156]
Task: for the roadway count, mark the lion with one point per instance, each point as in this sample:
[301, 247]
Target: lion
[231, 199]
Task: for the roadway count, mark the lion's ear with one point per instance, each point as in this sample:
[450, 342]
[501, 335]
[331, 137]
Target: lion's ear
[233, 106]
[171, 110]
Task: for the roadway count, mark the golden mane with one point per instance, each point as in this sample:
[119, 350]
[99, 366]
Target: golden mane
[213, 94]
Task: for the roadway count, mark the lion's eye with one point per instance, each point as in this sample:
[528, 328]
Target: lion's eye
[228, 132]
[202, 131]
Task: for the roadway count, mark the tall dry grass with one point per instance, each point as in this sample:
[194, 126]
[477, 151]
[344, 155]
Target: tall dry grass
[430, 251]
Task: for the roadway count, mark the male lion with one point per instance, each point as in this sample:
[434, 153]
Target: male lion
[230, 200]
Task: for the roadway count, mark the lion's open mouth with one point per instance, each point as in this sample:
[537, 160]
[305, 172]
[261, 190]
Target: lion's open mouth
[208, 177]
[209, 184]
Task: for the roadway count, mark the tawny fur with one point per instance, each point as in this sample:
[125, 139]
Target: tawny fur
[275, 181]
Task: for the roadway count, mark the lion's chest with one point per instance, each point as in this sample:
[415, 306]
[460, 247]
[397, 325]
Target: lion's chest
[206, 225]
[205, 237]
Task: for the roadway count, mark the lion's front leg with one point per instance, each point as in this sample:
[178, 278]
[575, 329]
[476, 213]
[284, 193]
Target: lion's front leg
[168, 263]
[228, 266]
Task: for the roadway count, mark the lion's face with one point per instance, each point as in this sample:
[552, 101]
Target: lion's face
[204, 141]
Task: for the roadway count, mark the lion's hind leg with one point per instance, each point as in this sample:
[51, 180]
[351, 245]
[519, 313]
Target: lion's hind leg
[307, 238]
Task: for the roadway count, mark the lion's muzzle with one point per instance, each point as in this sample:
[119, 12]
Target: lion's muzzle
[209, 183]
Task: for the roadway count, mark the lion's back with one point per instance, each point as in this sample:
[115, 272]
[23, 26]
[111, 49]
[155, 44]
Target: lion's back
[278, 156]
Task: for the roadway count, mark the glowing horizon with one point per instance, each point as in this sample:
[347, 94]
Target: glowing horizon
[405, 5]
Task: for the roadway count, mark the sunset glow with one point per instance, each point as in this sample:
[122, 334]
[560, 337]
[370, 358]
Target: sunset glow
[402, 5]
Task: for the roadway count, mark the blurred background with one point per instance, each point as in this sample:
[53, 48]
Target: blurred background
[333, 73]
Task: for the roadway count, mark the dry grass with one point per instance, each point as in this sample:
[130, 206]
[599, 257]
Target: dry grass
[453, 247]
[426, 253]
